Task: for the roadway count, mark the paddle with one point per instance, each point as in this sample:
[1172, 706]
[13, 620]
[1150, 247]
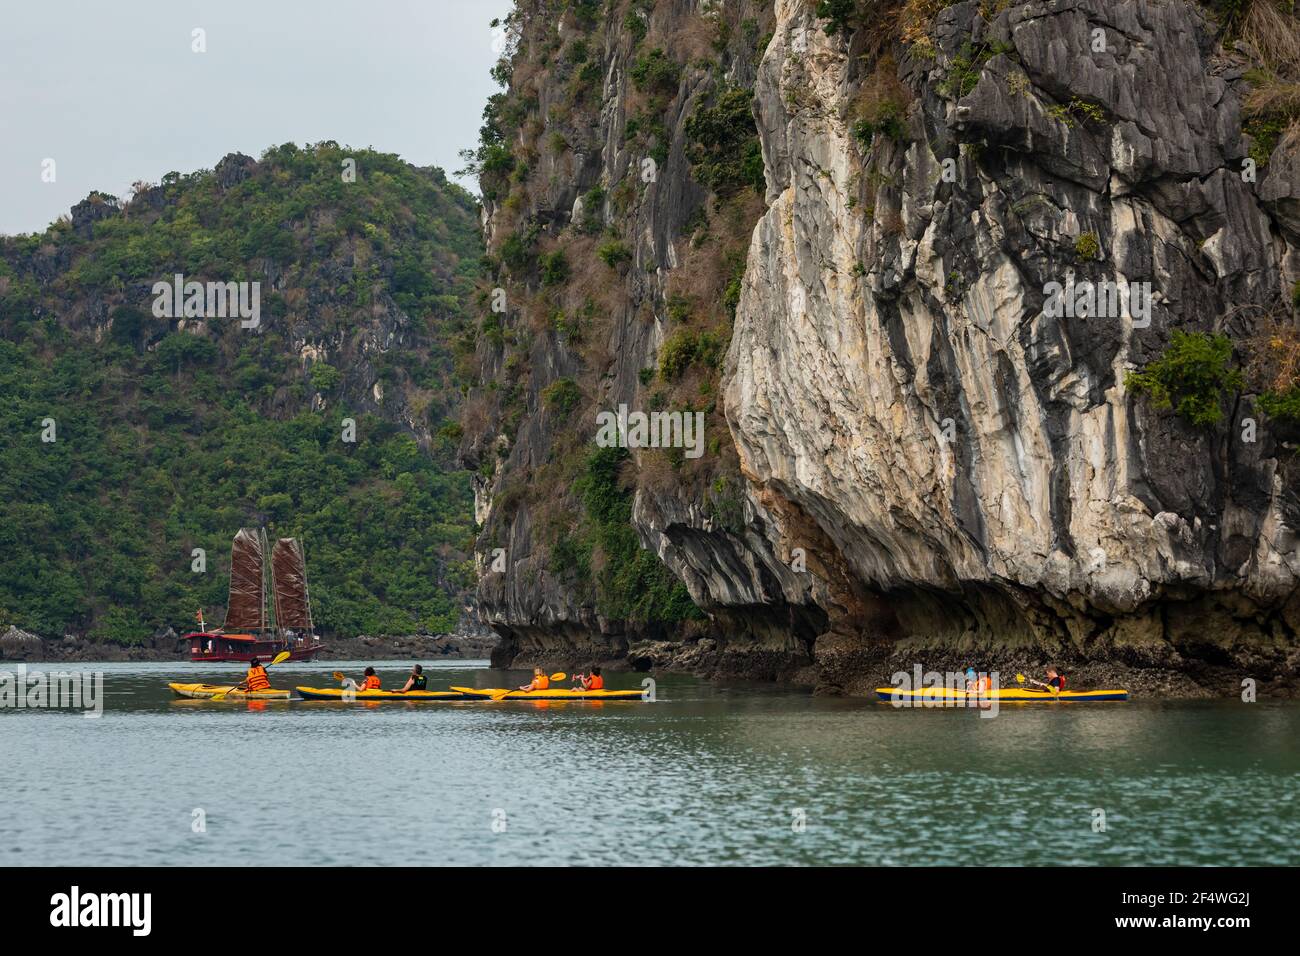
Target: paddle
[1021, 678]
[558, 675]
[278, 659]
[343, 679]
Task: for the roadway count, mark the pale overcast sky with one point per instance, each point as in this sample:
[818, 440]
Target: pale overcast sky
[113, 93]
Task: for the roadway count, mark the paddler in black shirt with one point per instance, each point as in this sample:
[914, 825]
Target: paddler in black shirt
[417, 680]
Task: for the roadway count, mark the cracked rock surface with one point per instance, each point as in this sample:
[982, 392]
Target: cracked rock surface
[939, 468]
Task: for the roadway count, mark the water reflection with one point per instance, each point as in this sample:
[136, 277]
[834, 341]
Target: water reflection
[706, 774]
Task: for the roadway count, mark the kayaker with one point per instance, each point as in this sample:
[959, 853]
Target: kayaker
[977, 683]
[590, 681]
[1055, 679]
[257, 679]
[417, 680]
[372, 680]
[539, 682]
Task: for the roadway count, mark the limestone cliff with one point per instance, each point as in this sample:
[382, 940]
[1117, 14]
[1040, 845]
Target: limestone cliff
[934, 462]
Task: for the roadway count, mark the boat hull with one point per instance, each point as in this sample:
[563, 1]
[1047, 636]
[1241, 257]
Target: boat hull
[208, 691]
[946, 695]
[212, 647]
[365, 696]
[492, 693]
[243, 657]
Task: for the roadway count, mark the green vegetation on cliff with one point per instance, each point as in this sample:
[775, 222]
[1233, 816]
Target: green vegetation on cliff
[724, 150]
[631, 583]
[1192, 376]
[663, 82]
[169, 435]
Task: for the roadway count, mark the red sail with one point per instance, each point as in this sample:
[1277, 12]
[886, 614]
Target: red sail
[245, 612]
[292, 607]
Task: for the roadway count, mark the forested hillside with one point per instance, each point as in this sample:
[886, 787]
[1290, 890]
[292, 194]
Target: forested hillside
[170, 434]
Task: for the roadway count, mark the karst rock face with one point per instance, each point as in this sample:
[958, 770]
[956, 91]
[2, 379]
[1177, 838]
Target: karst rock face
[936, 458]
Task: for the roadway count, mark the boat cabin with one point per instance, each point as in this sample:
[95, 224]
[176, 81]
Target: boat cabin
[215, 647]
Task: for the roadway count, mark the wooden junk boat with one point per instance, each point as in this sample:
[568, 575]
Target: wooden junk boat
[249, 631]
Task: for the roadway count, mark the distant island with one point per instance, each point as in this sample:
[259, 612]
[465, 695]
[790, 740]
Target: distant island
[136, 446]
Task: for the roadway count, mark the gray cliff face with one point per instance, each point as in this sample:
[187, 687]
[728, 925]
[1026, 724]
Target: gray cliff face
[528, 602]
[934, 464]
[1054, 507]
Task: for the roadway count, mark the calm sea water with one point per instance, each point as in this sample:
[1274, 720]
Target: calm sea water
[706, 775]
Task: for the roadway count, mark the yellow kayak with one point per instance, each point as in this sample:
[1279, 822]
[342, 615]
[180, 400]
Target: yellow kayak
[205, 691]
[336, 693]
[557, 693]
[940, 695]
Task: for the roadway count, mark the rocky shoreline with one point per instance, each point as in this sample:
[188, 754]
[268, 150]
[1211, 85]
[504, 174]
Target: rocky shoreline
[19, 645]
[844, 668]
[855, 671]
[413, 647]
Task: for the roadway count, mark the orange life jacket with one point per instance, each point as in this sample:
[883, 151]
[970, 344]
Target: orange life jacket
[257, 679]
[595, 682]
[984, 684]
[372, 683]
[541, 683]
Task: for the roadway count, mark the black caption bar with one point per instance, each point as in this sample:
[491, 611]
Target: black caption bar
[141, 907]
